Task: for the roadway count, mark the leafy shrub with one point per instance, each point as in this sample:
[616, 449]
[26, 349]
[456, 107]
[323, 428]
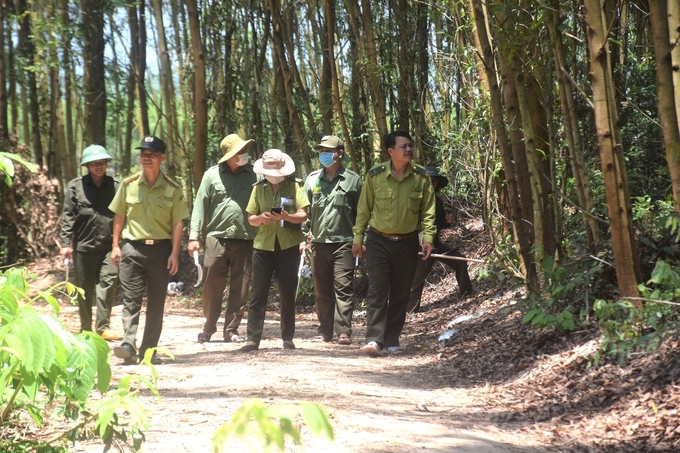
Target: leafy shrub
[41, 362]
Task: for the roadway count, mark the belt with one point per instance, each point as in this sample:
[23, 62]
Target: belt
[394, 237]
[149, 241]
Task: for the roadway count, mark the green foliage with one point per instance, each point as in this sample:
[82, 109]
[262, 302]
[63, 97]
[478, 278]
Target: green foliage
[41, 362]
[567, 289]
[626, 328]
[7, 166]
[272, 424]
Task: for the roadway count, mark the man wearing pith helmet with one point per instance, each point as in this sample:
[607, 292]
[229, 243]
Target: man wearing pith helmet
[333, 192]
[220, 220]
[86, 239]
[149, 209]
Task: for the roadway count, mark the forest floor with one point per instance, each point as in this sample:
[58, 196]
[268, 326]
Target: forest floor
[494, 386]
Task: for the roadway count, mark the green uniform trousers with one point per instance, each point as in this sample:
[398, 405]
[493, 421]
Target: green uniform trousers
[332, 268]
[144, 267]
[98, 277]
[391, 266]
[285, 263]
[224, 258]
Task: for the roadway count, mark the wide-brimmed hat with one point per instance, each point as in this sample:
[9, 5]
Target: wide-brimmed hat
[442, 181]
[152, 143]
[232, 145]
[93, 153]
[274, 162]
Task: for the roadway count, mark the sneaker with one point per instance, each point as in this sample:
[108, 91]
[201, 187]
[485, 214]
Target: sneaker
[233, 338]
[344, 339]
[250, 346]
[372, 349]
[395, 350]
[109, 335]
[288, 344]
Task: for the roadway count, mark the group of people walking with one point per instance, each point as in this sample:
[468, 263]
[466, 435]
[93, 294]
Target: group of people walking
[252, 221]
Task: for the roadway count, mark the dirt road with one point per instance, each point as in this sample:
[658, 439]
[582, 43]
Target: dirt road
[386, 404]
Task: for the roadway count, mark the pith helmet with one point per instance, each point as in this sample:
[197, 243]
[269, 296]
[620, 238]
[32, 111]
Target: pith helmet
[93, 153]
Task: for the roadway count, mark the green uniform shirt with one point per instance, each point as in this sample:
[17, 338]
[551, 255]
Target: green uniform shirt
[150, 211]
[334, 205]
[87, 219]
[220, 206]
[396, 207]
[291, 197]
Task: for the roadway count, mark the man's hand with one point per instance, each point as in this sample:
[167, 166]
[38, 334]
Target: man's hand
[266, 218]
[358, 250]
[66, 252]
[426, 249]
[173, 264]
[192, 247]
[115, 256]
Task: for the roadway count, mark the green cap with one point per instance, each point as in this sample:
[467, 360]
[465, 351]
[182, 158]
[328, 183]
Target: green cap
[93, 153]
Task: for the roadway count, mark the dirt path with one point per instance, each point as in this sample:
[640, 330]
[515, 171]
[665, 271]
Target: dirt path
[381, 404]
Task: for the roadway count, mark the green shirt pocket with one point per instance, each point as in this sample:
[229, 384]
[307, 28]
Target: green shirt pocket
[415, 198]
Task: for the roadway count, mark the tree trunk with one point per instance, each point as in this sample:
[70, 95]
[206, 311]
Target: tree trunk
[326, 88]
[288, 76]
[674, 29]
[572, 133]
[167, 88]
[140, 72]
[611, 152]
[12, 91]
[523, 237]
[67, 65]
[665, 93]
[4, 131]
[200, 94]
[329, 13]
[94, 129]
[27, 52]
[405, 64]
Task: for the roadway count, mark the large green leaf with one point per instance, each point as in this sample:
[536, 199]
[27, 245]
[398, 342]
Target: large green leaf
[61, 338]
[82, 365]
[101, 348]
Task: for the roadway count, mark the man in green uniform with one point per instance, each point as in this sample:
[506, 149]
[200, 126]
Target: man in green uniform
[397, 200]
[277, 206]
[149, 209]
[86, 239]
[220, 217]
[334, 193]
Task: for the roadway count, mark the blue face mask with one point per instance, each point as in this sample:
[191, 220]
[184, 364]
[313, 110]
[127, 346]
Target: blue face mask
[326, 159]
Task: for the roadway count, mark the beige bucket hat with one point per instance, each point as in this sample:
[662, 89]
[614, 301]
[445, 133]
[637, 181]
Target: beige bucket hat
[274, 162]
[232, 145]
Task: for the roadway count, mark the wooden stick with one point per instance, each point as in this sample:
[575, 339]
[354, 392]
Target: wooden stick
[455, 258]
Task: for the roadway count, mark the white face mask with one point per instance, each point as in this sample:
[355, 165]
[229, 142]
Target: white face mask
[275, 179]
[242, 159]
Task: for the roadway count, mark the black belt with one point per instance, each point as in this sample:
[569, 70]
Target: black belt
[394, 237]
[149, 241]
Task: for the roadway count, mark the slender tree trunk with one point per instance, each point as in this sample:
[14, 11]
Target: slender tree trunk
[611, 152]
[572, 133]
[27, 51]
[4, 131]
[57, 142]
[523, 237]
[658, 12]
[674, 29]
[12, 92]
[200, 94]
[167, 88]
[67, 66]
[405, 63]
[133, 25]
[326, 88]
[288, 76]
[94, 131]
